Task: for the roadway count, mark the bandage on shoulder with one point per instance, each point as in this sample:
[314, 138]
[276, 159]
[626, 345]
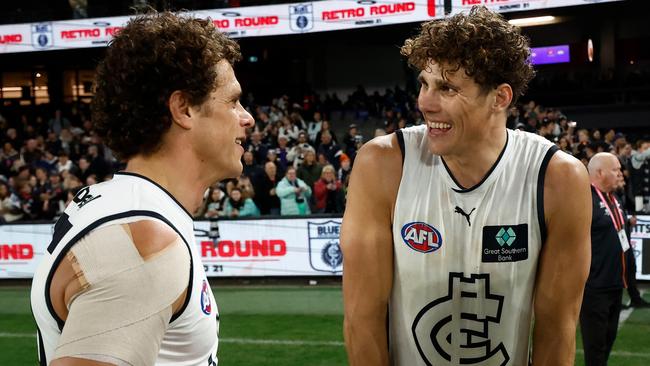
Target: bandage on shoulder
[125, 302]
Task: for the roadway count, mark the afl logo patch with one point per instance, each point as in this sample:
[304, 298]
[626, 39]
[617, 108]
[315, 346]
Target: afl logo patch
[421, 237]
[206, 305]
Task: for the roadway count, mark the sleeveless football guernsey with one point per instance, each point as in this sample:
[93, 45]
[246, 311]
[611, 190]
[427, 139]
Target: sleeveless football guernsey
[191, 337]
[465, 259]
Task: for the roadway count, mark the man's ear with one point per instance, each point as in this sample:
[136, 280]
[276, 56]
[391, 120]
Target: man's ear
[503, 97]
[180, 109]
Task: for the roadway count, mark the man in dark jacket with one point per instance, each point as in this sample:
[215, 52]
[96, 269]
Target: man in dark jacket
[601, 303]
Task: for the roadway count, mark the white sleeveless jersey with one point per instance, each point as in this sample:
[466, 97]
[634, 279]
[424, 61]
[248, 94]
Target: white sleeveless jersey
[465, 259]
[191, 337]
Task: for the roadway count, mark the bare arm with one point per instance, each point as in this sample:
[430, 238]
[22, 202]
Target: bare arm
[564, 261]
[367, 244]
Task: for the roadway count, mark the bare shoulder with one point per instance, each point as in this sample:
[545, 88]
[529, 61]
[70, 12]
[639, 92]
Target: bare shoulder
[378, 164]
[564, 167]
[150, 236]
[566, 183]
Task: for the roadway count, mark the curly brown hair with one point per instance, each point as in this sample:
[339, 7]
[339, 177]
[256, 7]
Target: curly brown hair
[483, 43]
[153, 56]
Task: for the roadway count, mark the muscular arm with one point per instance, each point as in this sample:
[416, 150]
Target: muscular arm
[564, 261]
[366, 240]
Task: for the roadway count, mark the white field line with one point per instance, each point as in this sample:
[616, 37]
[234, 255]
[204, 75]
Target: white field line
[626, 313]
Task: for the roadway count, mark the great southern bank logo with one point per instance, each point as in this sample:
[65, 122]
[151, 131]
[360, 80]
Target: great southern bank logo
[421, 237]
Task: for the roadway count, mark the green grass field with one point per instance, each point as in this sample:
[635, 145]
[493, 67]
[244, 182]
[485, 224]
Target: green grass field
[280, 326]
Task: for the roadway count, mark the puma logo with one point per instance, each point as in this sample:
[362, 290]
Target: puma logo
[466, 215]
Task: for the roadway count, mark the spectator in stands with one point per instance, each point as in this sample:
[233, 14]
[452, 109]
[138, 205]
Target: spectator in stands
[214, 204]
[583, 141]
[266, 197]
[8, 156]
[345, 169]
[48, 161]
[640, 176]
[64, 162]
[564, 143]
[57, 123]
[314, 127]
[271, 134]
[251, 169]
[275, 115]
[70, 181]
[289, 130]
[245, 186]
[310, 170]
[545, 129]
[281, 152]
[10, 205]
[328, 192]
[325, 127]
[238, 206]
[28, 203]
[294, 194]
[351, 141]
[609, 138]
[297, 153]
[98, 164]
[298, 121]
[48, 206]
[257, 147]
[330, 149]
[30, 153]
[13, 138]
[84, 168]
[56, 190]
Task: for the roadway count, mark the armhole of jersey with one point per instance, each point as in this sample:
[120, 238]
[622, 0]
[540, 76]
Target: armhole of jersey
[42, 361]
[400, 142]
[95, 225]
[540, 191]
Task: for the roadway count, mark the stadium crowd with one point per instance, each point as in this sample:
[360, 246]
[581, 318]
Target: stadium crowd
[295, 162]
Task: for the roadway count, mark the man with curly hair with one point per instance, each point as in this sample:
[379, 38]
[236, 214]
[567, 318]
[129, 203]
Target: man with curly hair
[121, 282]
[458, 231]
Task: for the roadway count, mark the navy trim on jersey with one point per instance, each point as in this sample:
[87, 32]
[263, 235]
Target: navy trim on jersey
[466, 190]
[42, 361]
[540, 191]
[93, 226]
[159, 186]
[400, 142]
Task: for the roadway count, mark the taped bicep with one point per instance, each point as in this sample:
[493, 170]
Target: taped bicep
[125, 303]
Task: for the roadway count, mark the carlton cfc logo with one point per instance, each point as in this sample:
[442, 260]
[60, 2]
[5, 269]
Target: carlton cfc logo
[421, 237]
[206, 305]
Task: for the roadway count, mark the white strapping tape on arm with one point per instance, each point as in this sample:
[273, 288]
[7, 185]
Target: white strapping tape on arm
[126, 307]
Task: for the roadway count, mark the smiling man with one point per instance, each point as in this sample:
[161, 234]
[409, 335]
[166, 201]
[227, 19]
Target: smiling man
[121, 282]
[458, 231]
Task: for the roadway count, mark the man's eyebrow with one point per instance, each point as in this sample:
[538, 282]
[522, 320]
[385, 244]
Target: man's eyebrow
[442, 82]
